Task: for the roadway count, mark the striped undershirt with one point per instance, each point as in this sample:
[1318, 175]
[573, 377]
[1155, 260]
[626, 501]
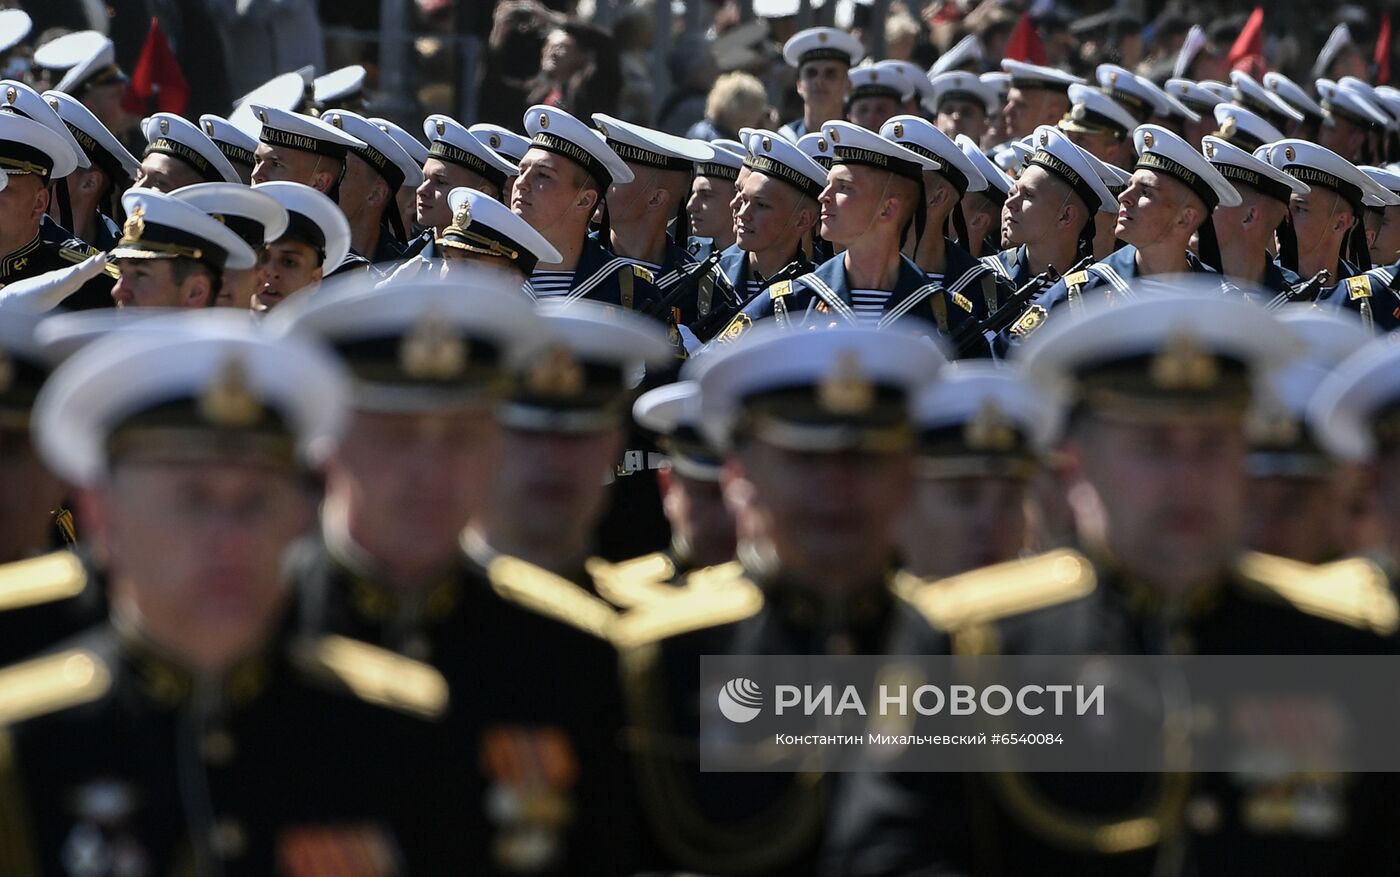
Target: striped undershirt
[547, 283]
[869, 304]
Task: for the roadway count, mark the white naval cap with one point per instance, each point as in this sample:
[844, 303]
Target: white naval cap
[1057, 155]
[313, 219]
[88, 57]
[1170, 106]
[941, 154]
[1282, 441]
[1386, 177]
[253, 215]
[420, 344]
[1162, 151]
[1093, 112]
[960, 85]
[1388, 98]
[968, 49]
[772, 155]
[450, 141]
[483, 225]
[15, 25]
[63, 334]
[1133, 92]
[1180, 345]
[999, 81]
[854, 144]
[845, 388]
[1219, 89]
[1012, 157]
[175, 136]
[1196, 97]
[236, 145]
[556, 131]
[822, 44]
[153, 395]
[728, 159]
[1355, 100]
[1293, 95]
[161, 226]
[506, 143]
[1250, 94]
[875, 81]
[1241, 167]
[298, 131]
[406, 141]
[342, 86]
[998, 183]
[917, 79]
[98, 144]
[286, 91]
[672, 412]
[1243, 127]
[30, 147]
[1320, 166]
[1355, 413]
[582, 378]
[648, 147]
[380, 151]
[984, 419]
[20, 98]
[1030, 76]
[817, 147]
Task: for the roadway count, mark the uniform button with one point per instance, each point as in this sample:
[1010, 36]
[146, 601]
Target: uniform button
[218, 748]
[227, 839]
[417, 648]
[1203, 814]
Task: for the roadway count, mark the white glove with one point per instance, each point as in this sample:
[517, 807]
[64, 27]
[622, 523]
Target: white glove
[47, 291]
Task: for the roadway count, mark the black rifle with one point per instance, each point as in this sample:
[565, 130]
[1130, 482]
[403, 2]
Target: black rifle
[1302, 292]
[706, 327]
[966, 338]
[690, 277]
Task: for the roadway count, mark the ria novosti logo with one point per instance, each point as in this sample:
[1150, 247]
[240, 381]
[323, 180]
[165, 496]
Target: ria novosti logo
[740, 700]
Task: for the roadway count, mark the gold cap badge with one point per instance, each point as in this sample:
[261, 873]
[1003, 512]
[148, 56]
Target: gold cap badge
[165, 126]
[228, 400]
[432, 351]
[846, 389]
[1183, 364]
[555, 373]
[990, 429]
[135, 226]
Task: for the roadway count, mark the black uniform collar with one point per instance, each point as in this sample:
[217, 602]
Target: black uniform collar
[850, 622]
[17, 261]
[172, 685]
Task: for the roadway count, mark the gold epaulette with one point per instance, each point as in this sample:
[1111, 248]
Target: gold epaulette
[58, 575]
[545, 593]
[375, 675]
[75, 255]
[1078, 278]
[1358, 287]
[961, 301]
[52, 683]
[634, 581]
[780, 289]
[720, 598]
[644, 272]
[1354, 592]
[1005, 589]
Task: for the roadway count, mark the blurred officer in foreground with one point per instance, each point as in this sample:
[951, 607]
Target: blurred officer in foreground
[1156, 448]
[192, 731]
[817, 437]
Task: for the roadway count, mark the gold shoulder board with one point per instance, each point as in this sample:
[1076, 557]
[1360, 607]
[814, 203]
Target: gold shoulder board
[780, 289]
[634, 581]
[961, 301]
[1078, 278]
[375, 675]
[50, 684]
[1006, 589]
[545, 593]
[45, 579]
[644, 273]
[1353, 591]
[714, 600]
[1029, 321]
[1358, 287]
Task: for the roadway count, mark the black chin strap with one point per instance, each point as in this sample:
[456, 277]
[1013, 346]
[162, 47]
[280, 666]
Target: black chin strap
[1085, 245]
[1287, 243]
[1355, 241]
[391, 214]
[65, 204]
[1208, 244]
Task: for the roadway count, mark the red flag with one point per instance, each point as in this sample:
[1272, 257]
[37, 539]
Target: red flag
[1024, 43]
[1247, 53]
[1383, 51]
[157, 84]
